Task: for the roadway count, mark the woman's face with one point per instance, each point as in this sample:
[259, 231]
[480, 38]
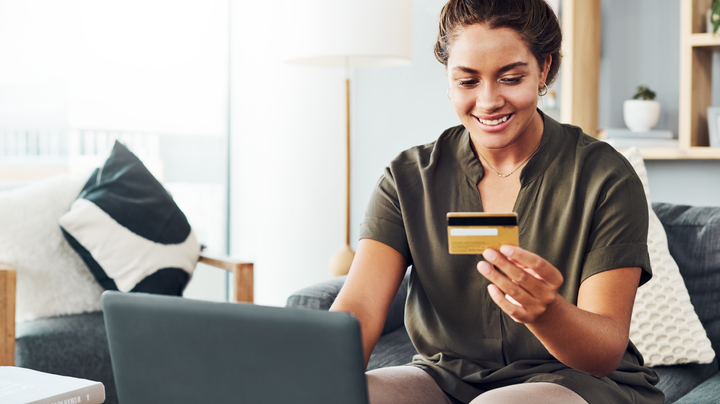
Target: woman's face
[494, 83]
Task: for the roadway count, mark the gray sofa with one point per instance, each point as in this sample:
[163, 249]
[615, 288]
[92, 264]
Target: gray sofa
[694, 240]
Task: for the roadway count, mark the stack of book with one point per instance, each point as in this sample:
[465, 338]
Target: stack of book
[25, 386]
[624, 138]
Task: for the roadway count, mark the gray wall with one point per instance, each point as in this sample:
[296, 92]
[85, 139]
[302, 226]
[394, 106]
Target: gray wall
[396, 108]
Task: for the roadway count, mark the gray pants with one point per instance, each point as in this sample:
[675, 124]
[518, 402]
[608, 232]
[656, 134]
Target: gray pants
[410, 385]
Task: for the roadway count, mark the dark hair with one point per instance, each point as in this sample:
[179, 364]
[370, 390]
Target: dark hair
[533, 20]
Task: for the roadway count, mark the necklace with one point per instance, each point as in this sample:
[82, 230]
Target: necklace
[511, 172]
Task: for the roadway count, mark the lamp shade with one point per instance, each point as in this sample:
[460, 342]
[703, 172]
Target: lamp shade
[353, 33]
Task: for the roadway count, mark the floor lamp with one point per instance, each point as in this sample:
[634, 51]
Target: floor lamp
[349, 34]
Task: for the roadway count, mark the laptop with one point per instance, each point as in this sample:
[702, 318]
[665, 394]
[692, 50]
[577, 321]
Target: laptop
[172, 350]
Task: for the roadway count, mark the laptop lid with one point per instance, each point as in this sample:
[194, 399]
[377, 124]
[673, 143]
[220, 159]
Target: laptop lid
[171, 350]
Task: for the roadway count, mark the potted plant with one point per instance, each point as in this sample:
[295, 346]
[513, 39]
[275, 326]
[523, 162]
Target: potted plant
[642, 112]
[713, 17]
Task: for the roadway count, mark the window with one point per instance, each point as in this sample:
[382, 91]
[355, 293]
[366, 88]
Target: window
[79, 74]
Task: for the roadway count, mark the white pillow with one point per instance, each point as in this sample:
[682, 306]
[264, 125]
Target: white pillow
[51, 278]
[664, 325]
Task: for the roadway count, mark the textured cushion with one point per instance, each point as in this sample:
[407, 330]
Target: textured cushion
[664, 325]
[51, 278]
[694, 238]
[73, 345]
[129, 231]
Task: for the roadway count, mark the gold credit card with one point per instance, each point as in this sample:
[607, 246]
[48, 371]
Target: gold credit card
[472, 233]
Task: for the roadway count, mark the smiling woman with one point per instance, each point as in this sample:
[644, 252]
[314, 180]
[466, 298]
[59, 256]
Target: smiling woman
[546, 321]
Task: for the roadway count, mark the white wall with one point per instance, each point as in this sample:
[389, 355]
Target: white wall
[287, 157]
[133, 65]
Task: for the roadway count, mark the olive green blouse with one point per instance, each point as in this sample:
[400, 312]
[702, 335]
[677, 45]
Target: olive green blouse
[581, 206]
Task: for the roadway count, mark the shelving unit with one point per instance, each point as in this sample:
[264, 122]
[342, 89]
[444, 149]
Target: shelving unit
[581, 71]
[696, 49]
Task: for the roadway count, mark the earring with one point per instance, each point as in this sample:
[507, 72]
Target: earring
[448, 94]
[543, 90]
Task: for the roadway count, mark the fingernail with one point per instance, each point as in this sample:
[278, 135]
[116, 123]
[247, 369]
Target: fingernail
[484, 268]
[489, 254]
[506, 250]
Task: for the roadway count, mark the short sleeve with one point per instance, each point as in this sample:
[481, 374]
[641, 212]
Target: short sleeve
[383, 217]
[618, 237]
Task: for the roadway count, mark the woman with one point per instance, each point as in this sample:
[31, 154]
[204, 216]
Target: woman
[547, 322]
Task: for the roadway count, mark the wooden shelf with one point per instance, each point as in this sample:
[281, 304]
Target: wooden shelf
[672, 153]
[699, 40]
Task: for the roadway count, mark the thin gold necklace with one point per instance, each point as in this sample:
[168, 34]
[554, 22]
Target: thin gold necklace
[511, 172]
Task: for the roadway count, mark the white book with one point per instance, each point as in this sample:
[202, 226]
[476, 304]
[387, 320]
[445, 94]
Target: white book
[612, 133]
[26, 386]
[623, 143]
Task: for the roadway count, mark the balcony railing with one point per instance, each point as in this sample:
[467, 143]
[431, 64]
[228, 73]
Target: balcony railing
[36, 145]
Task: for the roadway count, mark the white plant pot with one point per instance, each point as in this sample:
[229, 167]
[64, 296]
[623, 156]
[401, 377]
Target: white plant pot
[641, 115]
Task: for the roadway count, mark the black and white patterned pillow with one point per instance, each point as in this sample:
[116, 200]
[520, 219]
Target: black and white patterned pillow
[129, 231]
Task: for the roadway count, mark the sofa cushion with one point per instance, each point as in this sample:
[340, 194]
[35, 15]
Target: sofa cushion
[129, 231]
[694, 238]
[392, 349]
[707, 392]
[676, 381]
[74, 345]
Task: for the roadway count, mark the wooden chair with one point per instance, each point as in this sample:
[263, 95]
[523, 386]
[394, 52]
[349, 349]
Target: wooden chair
[242, 273]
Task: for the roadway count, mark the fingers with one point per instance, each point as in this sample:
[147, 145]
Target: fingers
[517, 281]
[517, 289]
[537, 265]
[511, 307]
[521, 290]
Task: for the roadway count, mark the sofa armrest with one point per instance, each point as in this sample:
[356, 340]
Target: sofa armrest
[322, 295]
[242, 273]
[7, 315]
[317, 297]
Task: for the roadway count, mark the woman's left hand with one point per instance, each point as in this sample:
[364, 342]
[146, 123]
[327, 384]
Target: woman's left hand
[527, 286]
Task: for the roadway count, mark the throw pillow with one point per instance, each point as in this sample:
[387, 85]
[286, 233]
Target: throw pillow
[664, 325]
[52, 280]
[129, 231]
[693, 234]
